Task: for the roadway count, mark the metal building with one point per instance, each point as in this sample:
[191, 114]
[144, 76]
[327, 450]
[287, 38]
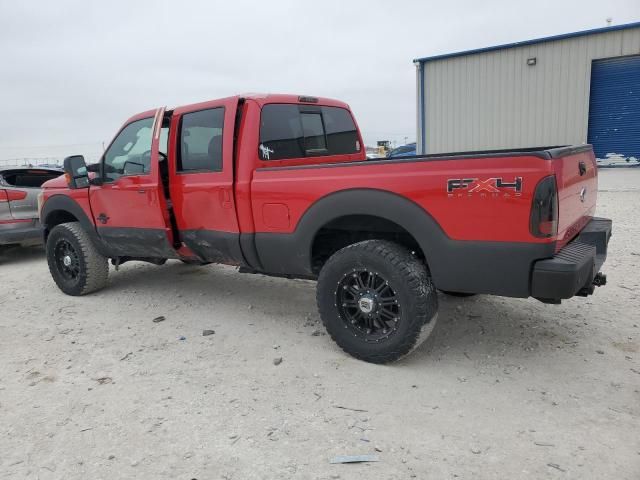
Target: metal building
[581, 87]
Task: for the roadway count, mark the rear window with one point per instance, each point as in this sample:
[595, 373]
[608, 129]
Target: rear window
[27, 178]
[298, 131]
[201, 141]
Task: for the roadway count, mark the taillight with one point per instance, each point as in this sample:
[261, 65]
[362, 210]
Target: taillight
[15, 195]
[544, 210]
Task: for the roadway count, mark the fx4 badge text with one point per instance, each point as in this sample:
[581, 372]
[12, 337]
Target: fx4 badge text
[489, 185]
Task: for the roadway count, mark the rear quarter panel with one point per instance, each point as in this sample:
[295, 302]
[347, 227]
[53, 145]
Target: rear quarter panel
[469, 213]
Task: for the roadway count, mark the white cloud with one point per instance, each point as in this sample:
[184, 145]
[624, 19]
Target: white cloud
[73, 71]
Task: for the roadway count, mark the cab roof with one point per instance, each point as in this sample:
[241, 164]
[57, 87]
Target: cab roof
[260, 98]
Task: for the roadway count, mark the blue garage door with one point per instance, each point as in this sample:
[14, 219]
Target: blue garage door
[614, 108]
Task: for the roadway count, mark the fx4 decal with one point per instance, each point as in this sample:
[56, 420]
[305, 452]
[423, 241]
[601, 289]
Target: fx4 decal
[490, 185]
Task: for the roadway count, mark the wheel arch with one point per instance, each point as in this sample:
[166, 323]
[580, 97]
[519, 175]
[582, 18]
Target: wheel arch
[349, 229]
[362, 204]
[61, 209]
[498, 268]
[287, 253]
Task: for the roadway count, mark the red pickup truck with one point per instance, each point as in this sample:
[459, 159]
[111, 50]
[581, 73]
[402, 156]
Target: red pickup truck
[280, 185]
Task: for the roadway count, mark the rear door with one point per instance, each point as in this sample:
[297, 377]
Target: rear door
[201, 179]
[129, 208]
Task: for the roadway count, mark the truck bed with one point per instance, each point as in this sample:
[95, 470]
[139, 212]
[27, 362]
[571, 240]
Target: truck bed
[471, 239]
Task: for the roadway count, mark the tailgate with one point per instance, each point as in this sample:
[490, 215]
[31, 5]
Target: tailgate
[577, 181]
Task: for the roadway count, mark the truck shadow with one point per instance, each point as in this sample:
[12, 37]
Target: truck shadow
[472, 328]
[482, 328]
[18, 254]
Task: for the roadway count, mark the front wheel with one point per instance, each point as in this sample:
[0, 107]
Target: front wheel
[74, 262]
[377, 300]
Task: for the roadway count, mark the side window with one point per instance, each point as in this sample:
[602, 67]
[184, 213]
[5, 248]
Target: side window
[280, 132]
[298, 131]
[342, 135]
[201, 141]
[313, 131]
[130, 152]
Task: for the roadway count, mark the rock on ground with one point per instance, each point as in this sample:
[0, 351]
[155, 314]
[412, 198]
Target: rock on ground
[90, 387]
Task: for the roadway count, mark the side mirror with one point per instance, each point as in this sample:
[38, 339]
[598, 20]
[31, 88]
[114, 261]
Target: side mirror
[76, 172]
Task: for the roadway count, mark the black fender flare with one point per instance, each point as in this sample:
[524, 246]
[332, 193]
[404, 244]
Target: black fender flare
[501, 268]
[368, 201]
[360, 201]
[64, 203]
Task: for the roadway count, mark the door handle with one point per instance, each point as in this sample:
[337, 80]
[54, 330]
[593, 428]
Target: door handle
[225, 198]
[582, 167]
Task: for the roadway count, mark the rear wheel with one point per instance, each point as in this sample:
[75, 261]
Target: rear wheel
[74, 262]
[376, 300]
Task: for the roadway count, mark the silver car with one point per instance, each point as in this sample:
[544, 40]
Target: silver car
[19, 188]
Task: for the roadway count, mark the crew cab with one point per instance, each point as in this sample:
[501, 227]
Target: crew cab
[280, 185]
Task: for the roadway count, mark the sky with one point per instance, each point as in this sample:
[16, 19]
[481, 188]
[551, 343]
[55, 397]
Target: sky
[71, 72]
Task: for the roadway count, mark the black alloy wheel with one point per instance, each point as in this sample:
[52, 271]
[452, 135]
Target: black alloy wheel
[376, 300]
[368, 305]
[67, 260]
[75, 263]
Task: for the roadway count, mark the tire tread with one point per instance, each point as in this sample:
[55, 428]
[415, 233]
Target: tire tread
[97, 265]
[420, 288]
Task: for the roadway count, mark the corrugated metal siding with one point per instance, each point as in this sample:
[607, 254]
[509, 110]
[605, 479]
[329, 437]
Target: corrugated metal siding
[614, 109]
[495, 100]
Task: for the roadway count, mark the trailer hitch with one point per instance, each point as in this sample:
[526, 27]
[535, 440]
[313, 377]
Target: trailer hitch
[598, 281]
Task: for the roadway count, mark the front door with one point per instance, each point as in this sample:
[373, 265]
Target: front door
[129, 208]
[201, 180]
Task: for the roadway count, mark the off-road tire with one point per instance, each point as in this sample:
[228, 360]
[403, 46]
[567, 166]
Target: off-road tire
[93, 268]
[411, 282]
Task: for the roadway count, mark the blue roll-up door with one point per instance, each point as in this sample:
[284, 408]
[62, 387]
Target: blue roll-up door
[614, 108]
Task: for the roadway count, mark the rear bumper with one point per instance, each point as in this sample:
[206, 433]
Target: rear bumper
[29, 231]
[574, 269]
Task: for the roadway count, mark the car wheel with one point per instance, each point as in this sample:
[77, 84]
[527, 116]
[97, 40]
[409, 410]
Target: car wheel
[377, 300]
[74, 262]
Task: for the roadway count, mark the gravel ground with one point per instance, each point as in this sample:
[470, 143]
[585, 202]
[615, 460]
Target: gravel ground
[93, 388]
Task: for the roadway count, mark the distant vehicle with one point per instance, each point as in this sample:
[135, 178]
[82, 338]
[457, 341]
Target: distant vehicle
[408, 150]
[19, 189]
[280, 185]
[54, 166]
[618, 161]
